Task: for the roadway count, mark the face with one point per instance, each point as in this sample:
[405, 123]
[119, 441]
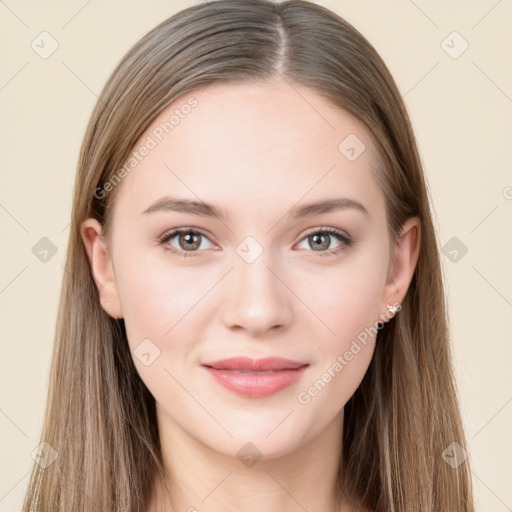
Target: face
[256, 274]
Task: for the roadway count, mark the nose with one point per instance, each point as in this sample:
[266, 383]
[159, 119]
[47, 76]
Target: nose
[257, 298]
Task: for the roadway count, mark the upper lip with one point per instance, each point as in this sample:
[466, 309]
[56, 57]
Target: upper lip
[246, 363]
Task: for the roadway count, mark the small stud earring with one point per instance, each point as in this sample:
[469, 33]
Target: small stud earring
[393, 309]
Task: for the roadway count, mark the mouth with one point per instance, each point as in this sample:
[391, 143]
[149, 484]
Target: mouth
[255, 378]
[246, 364]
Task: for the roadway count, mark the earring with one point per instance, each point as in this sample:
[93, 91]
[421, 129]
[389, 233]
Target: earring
[393, 309]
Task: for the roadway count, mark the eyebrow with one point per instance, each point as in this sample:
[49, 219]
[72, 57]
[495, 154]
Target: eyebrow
[181, 205]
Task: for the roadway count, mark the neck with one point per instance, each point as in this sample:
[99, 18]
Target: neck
[204, 479]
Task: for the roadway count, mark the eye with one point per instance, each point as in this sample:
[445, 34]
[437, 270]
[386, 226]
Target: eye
[321, 239]
[188, 242]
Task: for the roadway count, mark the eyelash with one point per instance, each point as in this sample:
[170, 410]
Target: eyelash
[340, 235]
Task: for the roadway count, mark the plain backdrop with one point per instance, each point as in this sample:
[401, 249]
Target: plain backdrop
[452, 62]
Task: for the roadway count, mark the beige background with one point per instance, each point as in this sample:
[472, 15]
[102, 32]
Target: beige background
[462, 113]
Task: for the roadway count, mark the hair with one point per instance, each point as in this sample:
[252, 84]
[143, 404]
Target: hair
[100, 418]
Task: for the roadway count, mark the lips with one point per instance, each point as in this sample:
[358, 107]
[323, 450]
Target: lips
[255, 378]
[247, 364]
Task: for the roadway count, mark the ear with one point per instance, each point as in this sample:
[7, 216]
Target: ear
[101, 265]
[401, 268]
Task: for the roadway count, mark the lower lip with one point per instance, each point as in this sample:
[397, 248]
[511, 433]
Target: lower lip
[257, 384]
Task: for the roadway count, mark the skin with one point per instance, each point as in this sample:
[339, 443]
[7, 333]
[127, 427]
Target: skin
[256, 151]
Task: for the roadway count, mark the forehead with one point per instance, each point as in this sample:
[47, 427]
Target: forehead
[250, 147]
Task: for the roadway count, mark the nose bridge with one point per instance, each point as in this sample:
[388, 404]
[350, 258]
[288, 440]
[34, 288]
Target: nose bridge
[258, 300]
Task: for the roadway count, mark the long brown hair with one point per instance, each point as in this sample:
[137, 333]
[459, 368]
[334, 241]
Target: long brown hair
[100, 418]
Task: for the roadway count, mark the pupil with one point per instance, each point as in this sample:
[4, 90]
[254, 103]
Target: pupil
[189, 239]
[316, 238]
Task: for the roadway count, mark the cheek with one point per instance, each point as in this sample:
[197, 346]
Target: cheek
[156, 295]
[344, 351]
[347, 308]
[345, 300]
[161, 308]
[358, 303]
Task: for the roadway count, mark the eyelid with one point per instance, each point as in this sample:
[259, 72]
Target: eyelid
[326, 229]
[343, 237]
[172, 233]
[186, 229]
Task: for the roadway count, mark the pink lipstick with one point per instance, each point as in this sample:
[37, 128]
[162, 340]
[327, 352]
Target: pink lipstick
[256, 378]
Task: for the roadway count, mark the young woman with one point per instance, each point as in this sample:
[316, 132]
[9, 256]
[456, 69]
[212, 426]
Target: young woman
[253, 315]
